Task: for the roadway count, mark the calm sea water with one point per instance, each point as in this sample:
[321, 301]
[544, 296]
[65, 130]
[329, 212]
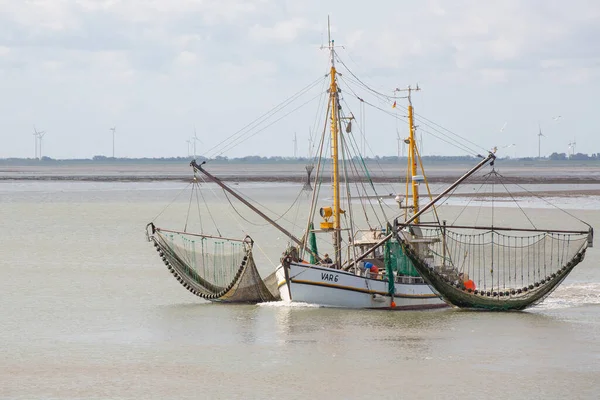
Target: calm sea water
[89, 312]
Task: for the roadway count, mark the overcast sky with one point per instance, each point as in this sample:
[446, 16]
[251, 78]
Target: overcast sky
[156, 68]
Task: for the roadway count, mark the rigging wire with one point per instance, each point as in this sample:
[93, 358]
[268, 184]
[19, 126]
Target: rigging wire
[317, 120]
[353, 145]
[549, 203]
[198, 207]
[364, 84]
[423, 121]
[257, 203]
[172, 201]
[189, 207]
[318, 180]
[274, 219]
[262, 118]
[434, 208]
[420, 117]
[514, 200]
[238, 223]
[358, 152]
[448, 141]
[208, 208]
[351, 232]
[487, 177]
[242, 139]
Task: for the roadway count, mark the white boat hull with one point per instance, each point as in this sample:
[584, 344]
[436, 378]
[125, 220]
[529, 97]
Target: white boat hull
[315, 284]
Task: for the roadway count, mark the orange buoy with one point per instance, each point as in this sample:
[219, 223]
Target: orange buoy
[393, 305]
[470, 284]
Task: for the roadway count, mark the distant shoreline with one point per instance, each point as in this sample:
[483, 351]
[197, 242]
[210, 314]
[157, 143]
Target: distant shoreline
[579, 159]
[437, 171]
[293, 179]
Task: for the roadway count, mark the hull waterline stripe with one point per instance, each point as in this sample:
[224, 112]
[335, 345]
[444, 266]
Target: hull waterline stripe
[367, 291]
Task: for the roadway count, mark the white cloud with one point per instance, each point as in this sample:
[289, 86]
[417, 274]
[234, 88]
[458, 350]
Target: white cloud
[282, 31]
[150, 59]
[187, 59]
[491, 75]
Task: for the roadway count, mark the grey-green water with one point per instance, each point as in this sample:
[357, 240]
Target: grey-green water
[89, 311]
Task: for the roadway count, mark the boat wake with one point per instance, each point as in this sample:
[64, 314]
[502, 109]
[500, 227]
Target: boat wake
[573, 295]
[288, 304]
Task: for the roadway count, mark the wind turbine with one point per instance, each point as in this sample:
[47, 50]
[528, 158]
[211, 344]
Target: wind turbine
[35, 136]
[540, 134]
[503, 126]
[572, 148]
[195, 139]
[189, 145]
[295, 146]
[41, 135]
[569, 151]
[38, 137]
[113, 129]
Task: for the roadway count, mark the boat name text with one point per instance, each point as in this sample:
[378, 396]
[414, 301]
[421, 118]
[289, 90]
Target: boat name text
[329, 277]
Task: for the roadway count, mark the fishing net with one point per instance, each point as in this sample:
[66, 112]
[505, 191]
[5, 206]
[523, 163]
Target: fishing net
[214, 268]
[397, 261]
[496, 268]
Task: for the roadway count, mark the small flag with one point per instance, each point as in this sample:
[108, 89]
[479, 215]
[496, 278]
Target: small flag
[394, 105]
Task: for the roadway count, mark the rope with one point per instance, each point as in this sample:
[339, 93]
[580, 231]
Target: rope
[189, 207]
[551, 204]
[267, 224]
[514, 200]
[469, 202]
[198, 207]
[209, 213]
[172, 201]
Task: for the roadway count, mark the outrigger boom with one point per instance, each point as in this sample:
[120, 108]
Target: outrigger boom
[250, 206]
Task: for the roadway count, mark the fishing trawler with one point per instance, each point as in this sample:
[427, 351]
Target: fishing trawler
[409, 263]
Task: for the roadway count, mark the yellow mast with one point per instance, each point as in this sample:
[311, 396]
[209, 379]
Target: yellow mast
[333, 96]
[412, 156]
[412, 152]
